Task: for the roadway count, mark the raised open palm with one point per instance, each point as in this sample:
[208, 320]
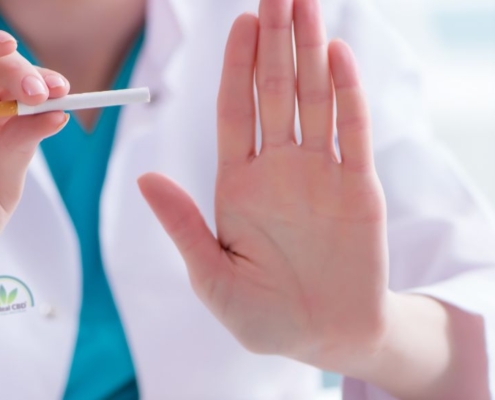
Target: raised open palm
[299, 263]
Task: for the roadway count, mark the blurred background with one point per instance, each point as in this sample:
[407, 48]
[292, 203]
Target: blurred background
[455, 42]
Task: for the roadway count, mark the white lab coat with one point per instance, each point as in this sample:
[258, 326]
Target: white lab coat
[438, 227]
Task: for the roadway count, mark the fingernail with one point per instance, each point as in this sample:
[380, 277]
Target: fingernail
[64, 123]
[54, 81]
[5, 38]
[33, 86]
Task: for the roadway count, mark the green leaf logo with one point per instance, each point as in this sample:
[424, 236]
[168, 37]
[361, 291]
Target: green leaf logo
[3, 295]
[12, 296]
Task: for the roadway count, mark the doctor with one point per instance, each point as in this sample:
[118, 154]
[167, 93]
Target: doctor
[306, 270]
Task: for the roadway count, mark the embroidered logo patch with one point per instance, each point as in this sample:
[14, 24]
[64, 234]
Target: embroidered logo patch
[15, 296]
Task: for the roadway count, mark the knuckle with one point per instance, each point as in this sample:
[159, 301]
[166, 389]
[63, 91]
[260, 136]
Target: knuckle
[311, 44]
[183, 228]
[314, 97]
[353, 124]
[274, 23]
[359, 167]
[12, 65]
[230, 113]
[180, 225]
[13, 68]
[277, 85]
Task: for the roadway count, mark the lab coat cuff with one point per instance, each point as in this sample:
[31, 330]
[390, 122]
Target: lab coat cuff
[473, 293]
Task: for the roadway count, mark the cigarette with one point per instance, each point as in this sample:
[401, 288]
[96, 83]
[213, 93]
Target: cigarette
[81, 101]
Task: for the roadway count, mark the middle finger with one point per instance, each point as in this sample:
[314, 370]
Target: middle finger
[275, 72]
[314, 86]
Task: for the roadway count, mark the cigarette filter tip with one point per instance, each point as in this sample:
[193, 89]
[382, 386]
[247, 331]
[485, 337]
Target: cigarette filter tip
[8, 109]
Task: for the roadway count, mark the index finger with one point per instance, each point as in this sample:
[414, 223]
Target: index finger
[22, 80]
[8, 44]
[236, 106]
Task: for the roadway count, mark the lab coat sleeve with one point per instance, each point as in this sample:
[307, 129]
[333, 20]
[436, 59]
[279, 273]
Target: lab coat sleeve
[441, 238]
[441, 230]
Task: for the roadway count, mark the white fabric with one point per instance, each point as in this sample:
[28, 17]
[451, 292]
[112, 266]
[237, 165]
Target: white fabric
[438, 227]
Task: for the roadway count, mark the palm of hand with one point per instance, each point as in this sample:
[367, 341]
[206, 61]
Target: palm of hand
[301, 241]
[299, 233]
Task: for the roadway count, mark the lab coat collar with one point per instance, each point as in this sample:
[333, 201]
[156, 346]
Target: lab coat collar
[162, 37]
[163, 31]
[169, 21]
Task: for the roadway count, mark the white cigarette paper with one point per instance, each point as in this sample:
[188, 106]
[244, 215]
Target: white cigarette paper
[88, 100]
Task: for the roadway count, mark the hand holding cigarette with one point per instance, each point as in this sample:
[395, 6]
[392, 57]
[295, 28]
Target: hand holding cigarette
[77, 102]
[37, 91]
[19, 137]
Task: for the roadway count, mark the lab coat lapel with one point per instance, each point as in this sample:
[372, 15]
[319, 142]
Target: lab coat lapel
[49, 264]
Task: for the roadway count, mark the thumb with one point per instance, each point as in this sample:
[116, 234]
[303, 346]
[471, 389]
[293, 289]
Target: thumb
[182, 220]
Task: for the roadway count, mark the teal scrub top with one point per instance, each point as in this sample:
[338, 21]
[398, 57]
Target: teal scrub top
[102, 366]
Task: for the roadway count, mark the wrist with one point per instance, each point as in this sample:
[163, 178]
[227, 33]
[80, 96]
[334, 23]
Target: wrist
[414, 358]
[380, 346]
[353, 352]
